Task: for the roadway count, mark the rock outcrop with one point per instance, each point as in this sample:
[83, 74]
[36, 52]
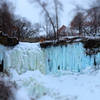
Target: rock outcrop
[8, 41]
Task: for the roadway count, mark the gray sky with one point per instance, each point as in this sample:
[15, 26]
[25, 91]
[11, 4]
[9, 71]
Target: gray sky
[32, 12]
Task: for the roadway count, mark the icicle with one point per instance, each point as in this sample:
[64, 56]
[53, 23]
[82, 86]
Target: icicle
[70, 57]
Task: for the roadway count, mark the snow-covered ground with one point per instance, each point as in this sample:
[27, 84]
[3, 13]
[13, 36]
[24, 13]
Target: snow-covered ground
[70, 86]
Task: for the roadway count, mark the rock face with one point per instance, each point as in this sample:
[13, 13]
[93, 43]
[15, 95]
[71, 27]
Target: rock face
[8, 41]
[6, 90]
[1, 67]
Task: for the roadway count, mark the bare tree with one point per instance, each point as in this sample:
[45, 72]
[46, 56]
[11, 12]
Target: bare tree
[53, 19]
[58, 7]
[94, 15]
[77, 22]
[43, 5]
[47, 27]
[15, 26]
[87, 21]
[6, 18]
[24, 29]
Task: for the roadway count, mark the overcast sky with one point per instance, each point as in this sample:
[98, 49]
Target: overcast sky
[32, 13]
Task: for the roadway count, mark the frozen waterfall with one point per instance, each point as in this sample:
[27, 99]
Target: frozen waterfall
[23, 57]
[52, 59]
[70, 57]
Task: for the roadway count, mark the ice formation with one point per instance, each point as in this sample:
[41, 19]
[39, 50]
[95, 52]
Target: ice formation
[53, 59]
[70, 57]
[23, 57]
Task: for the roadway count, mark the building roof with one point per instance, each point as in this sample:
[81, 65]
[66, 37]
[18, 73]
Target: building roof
[62, 29]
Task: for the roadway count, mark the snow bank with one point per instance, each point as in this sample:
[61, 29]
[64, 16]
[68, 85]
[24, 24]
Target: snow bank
[21, 94]
[35, 85]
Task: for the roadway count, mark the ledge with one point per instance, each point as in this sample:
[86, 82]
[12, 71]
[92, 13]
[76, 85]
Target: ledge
[89, 42]
[8, 41]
